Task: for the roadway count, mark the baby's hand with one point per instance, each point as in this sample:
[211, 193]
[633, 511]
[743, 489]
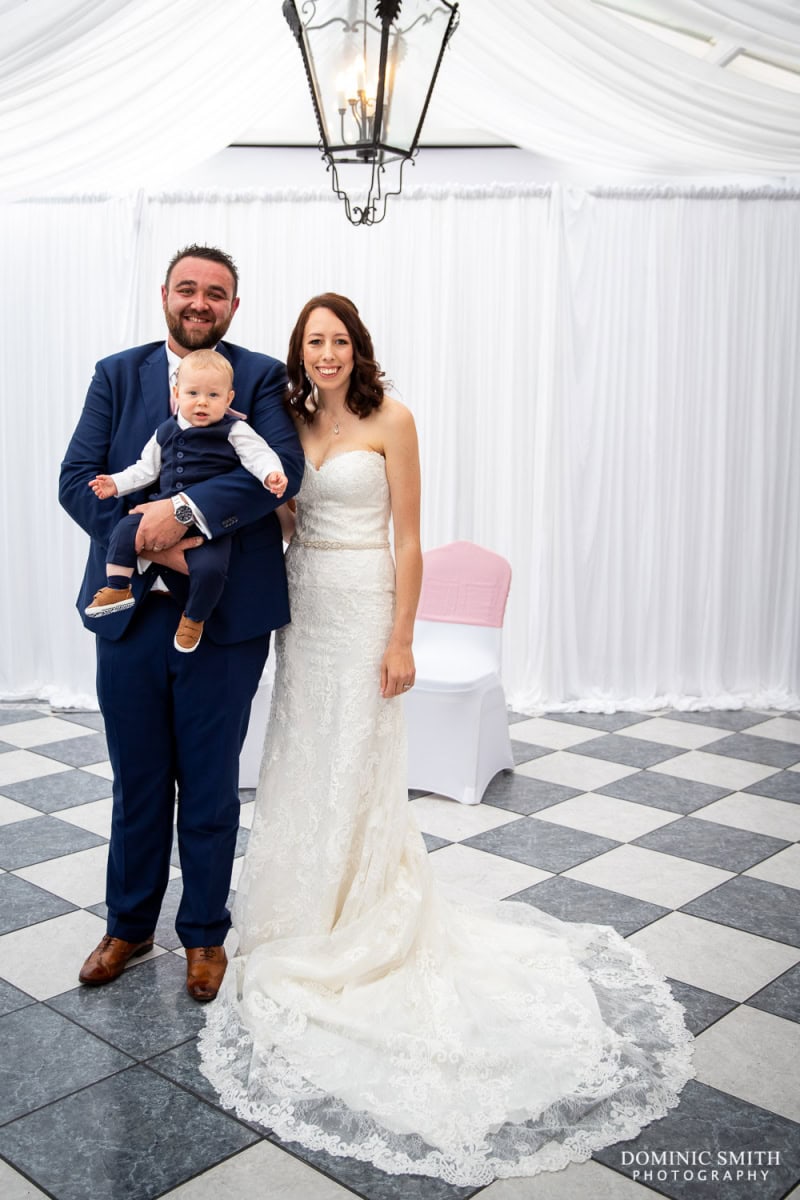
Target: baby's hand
[103, 487]
[276, 482]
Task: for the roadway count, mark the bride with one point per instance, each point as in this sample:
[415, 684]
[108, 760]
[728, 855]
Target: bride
[367, 1013]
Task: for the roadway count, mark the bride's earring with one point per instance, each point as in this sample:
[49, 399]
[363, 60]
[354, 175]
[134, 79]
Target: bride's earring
[311, 401]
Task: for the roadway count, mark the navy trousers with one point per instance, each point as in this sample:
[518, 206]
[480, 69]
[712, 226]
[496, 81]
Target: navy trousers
[208, 565]
[175, 724]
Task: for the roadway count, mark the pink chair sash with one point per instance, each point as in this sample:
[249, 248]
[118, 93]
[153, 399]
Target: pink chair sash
[464, 583]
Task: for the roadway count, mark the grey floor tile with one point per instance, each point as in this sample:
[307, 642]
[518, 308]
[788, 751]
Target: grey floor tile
[608, 722]
[79, 751]
[735, 719]
[135, 1135]
[515, 717]
[526, 752]
[785, 785]
[781, 997]
[415, 793]
[92, 720]
[720, 1125]
[12, 998]
[12, 716]
[520, 794]
[702, 1008]
[767, 909]
[664, 791]
[432, 842]
[571, 900]
[22, 903]
[749, 747]
[182, 1065]
[633, 752]
[541, 844]
[5, 748]
[711, 843]
[65, 790]
[370, 1183]
[25, 842]
[46, 1057]
[143, 1013]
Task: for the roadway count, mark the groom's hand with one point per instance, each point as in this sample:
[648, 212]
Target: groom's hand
[158, 529]
[174, 557]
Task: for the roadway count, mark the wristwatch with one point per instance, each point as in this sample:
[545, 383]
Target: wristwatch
[183, 512]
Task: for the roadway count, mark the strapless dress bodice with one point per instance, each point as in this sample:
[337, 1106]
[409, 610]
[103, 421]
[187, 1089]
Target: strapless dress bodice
[345, 502]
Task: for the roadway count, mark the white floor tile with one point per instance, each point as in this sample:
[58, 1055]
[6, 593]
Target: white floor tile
[783, 729]
[733, 773]
[103, 769]
[236, 873]
[558, 735]
[246, 814]
[486, 875]
[607, 816]
[649, 875]
[17, 765]
[759, 814]
[575, 770]
[43, 960]
[79, 878]
[14, 1186]
[95, 816]
[753, 1055]
[581, 1181]
[783, 868]
[675, 733]
[449, 819]
[12, 811]
[711, 956]
[40, 732]
[263, 1170]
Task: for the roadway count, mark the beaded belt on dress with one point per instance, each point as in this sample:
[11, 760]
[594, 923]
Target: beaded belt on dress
[317, 544]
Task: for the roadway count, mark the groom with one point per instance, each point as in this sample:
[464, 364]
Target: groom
[175, 722]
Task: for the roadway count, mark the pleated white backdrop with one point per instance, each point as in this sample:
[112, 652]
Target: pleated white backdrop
[605, 385]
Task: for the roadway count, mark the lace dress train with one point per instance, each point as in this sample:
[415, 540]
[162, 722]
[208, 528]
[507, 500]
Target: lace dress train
[368, 1013]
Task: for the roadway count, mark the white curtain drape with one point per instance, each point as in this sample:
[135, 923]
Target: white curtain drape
[121, 94]
[605, 387]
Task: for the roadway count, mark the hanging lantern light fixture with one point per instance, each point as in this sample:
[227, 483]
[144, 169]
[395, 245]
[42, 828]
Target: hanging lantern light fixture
[371, 75]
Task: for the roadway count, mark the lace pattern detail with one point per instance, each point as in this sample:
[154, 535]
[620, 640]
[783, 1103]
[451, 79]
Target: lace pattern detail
[369, 1013]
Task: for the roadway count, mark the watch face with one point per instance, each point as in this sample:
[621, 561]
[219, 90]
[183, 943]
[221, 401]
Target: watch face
[184, 514]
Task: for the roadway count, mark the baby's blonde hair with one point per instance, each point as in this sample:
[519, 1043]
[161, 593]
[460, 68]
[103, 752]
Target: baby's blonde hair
[205, 360]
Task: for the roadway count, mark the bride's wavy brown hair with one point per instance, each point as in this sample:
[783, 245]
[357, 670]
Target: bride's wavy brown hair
[366, 391]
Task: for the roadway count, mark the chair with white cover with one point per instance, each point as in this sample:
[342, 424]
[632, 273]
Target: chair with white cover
[456, 712]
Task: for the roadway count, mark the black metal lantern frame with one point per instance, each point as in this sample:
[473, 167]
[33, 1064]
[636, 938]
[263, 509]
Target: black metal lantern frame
[371, 114]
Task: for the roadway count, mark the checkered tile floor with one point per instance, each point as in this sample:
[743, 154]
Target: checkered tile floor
[679, 829]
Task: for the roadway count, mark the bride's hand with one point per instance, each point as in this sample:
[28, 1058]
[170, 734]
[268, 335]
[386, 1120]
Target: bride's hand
[397, 671]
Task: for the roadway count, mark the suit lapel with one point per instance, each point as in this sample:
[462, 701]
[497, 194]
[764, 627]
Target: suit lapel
[155, 387]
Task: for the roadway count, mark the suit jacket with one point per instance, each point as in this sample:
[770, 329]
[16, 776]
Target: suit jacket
[127, 399]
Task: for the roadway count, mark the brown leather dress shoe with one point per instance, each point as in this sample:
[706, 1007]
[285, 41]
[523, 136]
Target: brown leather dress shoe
[205, 968]
[107, 961]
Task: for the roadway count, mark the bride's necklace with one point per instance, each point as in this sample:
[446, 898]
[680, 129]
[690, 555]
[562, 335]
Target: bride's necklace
[335, 426]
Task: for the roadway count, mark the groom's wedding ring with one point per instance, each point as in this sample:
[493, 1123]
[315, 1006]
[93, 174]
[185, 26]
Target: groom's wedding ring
[406, 686]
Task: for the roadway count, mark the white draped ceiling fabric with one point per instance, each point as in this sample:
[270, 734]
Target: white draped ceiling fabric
[604, 379]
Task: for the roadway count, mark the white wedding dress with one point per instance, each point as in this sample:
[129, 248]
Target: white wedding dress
[368, 1014]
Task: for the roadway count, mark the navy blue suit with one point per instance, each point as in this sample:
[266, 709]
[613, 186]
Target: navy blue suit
[175, 721]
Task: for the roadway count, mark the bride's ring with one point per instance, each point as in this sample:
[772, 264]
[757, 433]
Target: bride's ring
[406, 686]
